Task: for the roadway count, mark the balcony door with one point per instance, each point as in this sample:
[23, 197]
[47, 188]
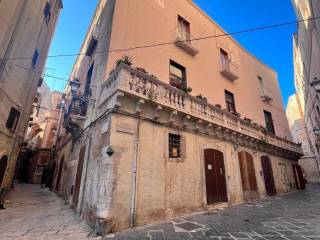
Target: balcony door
[3, 168]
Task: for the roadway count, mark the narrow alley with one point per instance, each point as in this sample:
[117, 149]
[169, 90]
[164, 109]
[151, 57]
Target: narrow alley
[35, 213]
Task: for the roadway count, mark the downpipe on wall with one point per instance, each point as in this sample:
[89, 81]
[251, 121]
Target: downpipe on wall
[134, 177]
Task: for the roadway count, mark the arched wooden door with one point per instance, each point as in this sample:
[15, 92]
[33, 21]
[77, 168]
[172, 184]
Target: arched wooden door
[3, 168]
[59, 174]
[248, 176]
[215, 176]
[268, 176]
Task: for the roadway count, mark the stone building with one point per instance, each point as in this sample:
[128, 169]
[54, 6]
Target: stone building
[140, 145]
[306, 67]
[300, 134]
[26, 31]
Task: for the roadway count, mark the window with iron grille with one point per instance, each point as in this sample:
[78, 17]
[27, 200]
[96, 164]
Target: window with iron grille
[47, 13]
[174, 146]
[178, 77]
[230, 102]
[13, 119]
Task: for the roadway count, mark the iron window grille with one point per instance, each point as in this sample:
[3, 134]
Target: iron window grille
[174, 146]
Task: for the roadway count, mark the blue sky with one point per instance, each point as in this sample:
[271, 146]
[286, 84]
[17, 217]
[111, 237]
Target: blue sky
[273, 47]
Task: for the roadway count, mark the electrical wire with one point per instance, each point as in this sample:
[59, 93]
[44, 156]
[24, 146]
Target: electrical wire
[260, 28]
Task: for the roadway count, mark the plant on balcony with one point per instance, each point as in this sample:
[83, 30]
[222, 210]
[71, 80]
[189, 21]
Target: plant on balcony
[264, 141]
[126, 60]
[235, 114]
[153, 76]
[248, 120]
[187, 90]
[202, 97]
[218, 105]
[141, 69]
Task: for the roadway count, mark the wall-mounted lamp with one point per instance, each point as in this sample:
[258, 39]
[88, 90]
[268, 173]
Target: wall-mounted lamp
[316, 84]
[74, 86]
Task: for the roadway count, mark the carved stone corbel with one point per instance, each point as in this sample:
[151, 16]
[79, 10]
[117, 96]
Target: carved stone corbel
[139, 106]
[209, 125]
[172, 116]
[157, 112]
[197, 124]
[185, 120]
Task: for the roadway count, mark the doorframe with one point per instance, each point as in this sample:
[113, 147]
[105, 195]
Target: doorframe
[2, 154]
[203, 170]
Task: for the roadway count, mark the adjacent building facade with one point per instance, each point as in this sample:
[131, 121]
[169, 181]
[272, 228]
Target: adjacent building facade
[300, 134]
[140, 145]
[307, 73]
[26, 31]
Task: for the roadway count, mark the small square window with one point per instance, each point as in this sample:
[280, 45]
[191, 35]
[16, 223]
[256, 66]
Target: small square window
[174, 146]
[35, 59]
[13, 119]
[47, 13]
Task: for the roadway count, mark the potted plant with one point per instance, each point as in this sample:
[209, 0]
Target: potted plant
[218, 105]
[187, 90]
[202, 98]
[126, 60]
[248, 120]
[141, 69]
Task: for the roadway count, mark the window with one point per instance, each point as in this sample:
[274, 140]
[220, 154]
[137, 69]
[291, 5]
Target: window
[230, 102]
[224, 59]
[174, 146]
[13, 119]
[184, 29]
[91, 46]
[177, 75]
[47, 13]
[35, 59]
[269, 122]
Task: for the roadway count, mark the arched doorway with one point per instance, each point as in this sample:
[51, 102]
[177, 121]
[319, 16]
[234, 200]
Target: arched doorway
[248, 176]
[215, 176]
[268, 176]
[59, 174]
[3, 168]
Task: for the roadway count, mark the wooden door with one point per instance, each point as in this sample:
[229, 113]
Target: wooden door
[215, 176]
[248, 176]
[3, 168]
[300, 177]
[59, 174]
[78, 176]
[268, 176]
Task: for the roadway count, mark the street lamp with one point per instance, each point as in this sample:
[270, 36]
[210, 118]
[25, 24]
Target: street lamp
[316, 84]
[74, 86]
[316, 131]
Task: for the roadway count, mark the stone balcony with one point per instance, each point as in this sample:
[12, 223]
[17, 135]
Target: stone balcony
[158, 101]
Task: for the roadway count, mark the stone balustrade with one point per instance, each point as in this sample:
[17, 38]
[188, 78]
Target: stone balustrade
[135, 83]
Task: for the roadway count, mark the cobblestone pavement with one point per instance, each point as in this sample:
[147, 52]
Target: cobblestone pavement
[292, 216]
[34, 213]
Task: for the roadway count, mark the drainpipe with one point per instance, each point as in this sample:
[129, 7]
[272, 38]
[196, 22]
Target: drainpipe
[134, 178]
[85, 174]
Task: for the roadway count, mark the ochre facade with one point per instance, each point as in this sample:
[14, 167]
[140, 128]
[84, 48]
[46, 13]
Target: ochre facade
[139, 152]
